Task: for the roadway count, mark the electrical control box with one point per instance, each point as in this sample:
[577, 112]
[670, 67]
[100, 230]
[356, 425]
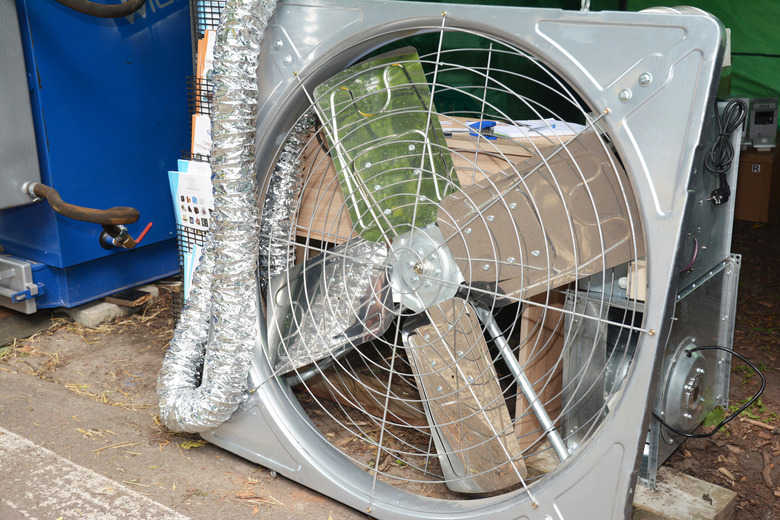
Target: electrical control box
[762, 124]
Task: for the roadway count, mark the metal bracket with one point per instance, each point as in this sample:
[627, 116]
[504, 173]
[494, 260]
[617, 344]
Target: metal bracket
[17, 288]
[33, 290]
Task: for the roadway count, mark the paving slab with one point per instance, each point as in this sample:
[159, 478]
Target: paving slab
[94, 314]
[38, 483]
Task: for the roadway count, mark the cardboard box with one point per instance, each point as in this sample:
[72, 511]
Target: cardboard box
[758, 185]
[322, 212]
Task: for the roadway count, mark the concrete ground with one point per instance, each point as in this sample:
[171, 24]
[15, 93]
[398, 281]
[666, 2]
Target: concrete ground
[80, 437]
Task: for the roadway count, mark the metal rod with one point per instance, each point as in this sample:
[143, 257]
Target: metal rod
[523, 383]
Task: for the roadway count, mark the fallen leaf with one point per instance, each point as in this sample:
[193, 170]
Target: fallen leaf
[186, 445]
[734, 450]
[727, 473]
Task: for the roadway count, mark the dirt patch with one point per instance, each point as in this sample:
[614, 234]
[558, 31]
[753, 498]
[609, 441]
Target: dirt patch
[90, 396]
[746, 456]
[115, 364]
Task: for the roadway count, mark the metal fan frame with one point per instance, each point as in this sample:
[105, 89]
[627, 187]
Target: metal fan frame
[654, 92]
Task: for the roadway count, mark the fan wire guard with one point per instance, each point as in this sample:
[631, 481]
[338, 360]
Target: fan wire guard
[366, 397]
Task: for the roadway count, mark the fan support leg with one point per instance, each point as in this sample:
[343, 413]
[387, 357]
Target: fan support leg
[522, 381]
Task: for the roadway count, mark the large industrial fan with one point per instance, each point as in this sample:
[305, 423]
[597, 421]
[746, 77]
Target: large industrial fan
[472, 224]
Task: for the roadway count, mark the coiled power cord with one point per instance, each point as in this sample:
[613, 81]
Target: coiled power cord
[718, 161]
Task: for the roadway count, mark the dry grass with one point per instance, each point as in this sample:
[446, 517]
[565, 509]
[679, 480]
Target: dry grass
[33, 355]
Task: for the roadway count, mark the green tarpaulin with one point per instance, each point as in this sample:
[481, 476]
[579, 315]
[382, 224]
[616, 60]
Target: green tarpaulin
[755, 38]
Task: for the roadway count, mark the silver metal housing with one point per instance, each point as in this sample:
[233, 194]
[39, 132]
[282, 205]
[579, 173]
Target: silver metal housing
[656, 128]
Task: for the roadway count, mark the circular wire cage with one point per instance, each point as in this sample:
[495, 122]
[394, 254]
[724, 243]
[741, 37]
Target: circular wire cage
[452, 266]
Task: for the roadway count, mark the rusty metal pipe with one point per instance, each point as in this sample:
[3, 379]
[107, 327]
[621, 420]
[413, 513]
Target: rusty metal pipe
[111, 216]
[125, 8]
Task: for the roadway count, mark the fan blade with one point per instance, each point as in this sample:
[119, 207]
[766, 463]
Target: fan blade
[387, 145]
[545, 223]
[466, 410]
[328, 304]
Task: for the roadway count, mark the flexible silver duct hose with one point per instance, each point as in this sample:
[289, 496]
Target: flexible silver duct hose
[204, 373]
[281, 200]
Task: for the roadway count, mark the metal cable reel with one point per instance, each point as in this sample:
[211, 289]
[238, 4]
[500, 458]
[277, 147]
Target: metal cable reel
[448, 192]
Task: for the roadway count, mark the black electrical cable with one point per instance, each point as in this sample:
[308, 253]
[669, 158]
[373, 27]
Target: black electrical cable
[104, 10]
[317, 132]
[718, 161]
[730, 417]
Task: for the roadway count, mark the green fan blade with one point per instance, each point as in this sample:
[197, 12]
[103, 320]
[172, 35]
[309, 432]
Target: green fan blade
[387, 144]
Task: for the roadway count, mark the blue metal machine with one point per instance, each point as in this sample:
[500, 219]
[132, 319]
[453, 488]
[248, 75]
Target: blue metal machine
[108, 112]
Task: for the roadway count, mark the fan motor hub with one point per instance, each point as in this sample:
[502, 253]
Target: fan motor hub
[684, 392]
[424, 271]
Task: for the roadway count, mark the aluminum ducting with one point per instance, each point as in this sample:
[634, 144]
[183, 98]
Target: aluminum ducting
[204, 373]
[281, 199]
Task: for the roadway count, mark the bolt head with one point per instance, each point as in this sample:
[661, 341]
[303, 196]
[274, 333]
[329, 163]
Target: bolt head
[624, 95]
[645, 79]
